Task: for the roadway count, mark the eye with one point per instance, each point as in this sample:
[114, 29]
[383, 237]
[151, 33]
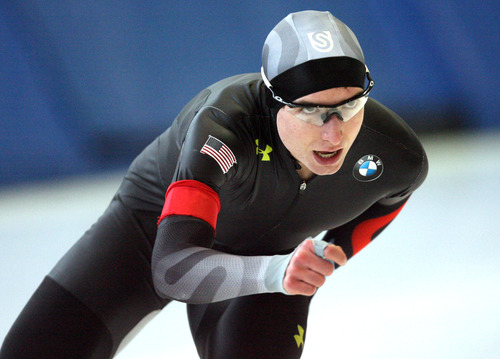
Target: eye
[308, 110]
[351, 104]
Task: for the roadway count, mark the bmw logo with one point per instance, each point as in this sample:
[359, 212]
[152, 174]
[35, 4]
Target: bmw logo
[368, 168]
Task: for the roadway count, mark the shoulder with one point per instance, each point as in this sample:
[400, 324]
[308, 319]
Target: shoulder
[403, 154]
[385, 122]
[240, 94]
[232, 110]
[219, 130]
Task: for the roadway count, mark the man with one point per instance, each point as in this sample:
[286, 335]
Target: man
[219, 210]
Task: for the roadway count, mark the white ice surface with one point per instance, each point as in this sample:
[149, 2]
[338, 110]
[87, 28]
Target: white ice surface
[428, 287]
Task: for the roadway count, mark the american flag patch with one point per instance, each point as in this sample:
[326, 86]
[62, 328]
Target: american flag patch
[219, 152]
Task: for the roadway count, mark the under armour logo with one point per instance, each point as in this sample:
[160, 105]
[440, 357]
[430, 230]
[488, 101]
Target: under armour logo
[265, 153]
[299, 338]
[321, 41]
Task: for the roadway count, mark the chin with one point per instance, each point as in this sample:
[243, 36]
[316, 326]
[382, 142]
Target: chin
[325, 171]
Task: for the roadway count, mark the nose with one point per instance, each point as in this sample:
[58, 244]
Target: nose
[332, 130]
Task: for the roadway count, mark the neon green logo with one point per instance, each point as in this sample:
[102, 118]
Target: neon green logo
[265, 153]
[299, 338]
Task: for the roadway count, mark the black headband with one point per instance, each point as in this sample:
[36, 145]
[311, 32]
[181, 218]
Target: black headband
[318, 75]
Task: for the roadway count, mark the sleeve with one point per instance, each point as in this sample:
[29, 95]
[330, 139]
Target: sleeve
[186, 270]
[358, 233]
[184, 266]
[211, 152]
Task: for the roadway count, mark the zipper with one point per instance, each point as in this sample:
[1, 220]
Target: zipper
[303, 186]
[302, 189]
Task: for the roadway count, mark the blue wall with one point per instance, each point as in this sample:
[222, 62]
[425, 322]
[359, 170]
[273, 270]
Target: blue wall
[85, 85]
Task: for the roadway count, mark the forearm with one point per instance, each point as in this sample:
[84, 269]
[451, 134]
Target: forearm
[358, 233]
[199, 275]
[195, 274]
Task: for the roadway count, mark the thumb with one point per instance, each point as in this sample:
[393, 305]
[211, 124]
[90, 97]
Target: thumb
[330, 252]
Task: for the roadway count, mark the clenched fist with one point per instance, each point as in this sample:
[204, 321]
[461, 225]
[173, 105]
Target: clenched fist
[307, 271]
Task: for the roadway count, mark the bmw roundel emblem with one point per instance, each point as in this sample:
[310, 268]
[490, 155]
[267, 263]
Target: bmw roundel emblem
[368, 168]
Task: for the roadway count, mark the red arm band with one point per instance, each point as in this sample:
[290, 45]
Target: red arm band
[363, 233]
[191, 198]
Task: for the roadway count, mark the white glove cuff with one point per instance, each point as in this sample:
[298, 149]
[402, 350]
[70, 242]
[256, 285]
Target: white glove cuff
[275, 273]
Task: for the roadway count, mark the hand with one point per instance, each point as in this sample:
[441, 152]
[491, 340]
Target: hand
[306, 271]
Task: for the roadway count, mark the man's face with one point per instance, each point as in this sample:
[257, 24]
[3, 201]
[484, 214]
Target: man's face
[320, 150]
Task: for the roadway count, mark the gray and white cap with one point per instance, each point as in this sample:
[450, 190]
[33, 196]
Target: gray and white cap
[311, 51]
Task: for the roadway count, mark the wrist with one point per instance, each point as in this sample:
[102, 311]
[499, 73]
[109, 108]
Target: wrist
[275, 273]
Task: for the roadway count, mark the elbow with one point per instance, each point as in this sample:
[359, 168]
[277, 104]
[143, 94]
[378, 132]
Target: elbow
[168, 282]
[163, 282]
[157, 280]
[159, 272]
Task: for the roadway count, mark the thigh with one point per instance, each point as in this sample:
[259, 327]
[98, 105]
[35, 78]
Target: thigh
[54, 324]
[257, 326]
[103, 283]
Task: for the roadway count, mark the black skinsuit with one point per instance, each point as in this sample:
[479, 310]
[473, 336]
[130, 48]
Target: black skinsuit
[103, 286]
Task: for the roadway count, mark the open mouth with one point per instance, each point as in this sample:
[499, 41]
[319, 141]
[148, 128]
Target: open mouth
[328, 158]
[326, 155]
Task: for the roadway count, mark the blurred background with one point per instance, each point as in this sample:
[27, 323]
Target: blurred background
[84, 86]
